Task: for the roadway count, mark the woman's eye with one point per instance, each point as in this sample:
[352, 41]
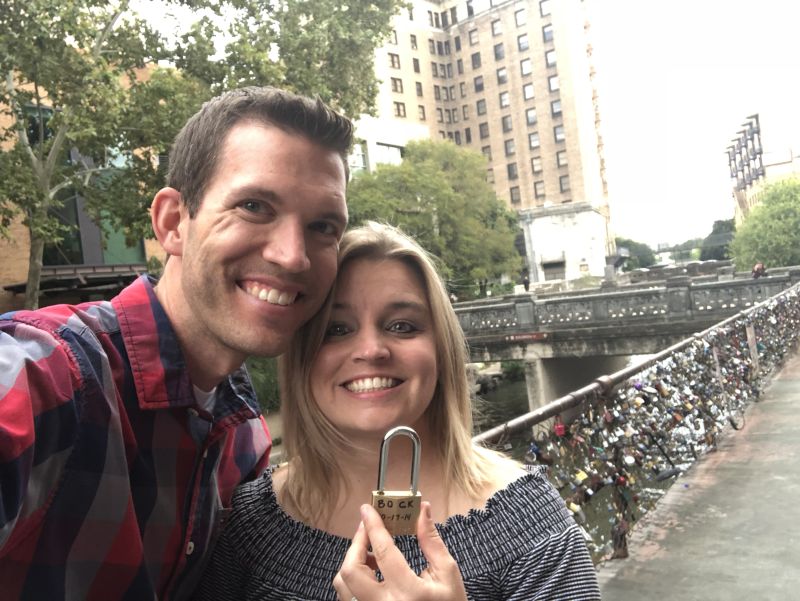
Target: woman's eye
[402, 327]
[336, 329]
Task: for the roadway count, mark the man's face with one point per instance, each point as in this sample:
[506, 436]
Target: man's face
[260, 255]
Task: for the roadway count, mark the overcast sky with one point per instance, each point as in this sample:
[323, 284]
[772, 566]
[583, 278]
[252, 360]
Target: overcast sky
[676, 80]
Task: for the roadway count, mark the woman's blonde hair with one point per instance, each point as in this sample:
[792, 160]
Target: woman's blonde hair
[312, 442]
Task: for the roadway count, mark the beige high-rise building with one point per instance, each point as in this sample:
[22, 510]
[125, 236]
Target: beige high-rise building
[513, 80]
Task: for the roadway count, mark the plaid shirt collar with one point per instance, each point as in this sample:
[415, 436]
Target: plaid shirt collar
[157, 363]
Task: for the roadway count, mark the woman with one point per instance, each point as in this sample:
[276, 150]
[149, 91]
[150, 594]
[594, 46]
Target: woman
[387, 350]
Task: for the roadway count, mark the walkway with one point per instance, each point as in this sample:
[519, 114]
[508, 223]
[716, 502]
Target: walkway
[729, 529]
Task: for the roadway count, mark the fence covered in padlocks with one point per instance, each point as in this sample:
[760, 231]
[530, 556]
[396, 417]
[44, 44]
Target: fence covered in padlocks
[615, 446]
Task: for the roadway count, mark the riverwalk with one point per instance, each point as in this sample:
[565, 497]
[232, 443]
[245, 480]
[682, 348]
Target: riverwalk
[729, 528]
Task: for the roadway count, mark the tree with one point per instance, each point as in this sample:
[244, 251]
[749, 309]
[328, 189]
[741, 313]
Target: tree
[641, 254]
[439, 195]
[715, 245]
[686, 251]
[771, 232]
[87, 110]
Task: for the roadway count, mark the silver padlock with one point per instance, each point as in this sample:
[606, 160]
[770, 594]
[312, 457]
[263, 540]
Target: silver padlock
[398, 509]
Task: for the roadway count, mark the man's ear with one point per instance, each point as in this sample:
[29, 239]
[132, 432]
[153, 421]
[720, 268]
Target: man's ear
[167, 214]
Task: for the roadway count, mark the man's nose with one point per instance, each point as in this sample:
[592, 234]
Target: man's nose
[287, 247]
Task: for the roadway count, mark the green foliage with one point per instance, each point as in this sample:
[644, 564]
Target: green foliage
[715, 245]
[687, 251]
[264, 375]
[641, 254]
[513, 370]
[83, 76]
[439, 195]
[771, 233]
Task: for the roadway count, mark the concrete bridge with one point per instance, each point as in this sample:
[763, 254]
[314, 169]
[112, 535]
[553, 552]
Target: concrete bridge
[603, 326]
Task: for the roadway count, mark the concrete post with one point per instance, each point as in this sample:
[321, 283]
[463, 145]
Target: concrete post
[535, 383]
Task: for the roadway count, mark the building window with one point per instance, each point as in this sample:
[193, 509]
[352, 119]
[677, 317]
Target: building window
[397, 85]
[460, 67]
[544, 7]
[561, 158]
[473, 37]
[462, 87]
[445, 21]
[431, 46]
[442, 135]
[522, 42]
[440, 48]
[553, 83]
[453, 15]
[533, 140]
[445, 95]
[555, 107]
[452, 92]
[550, 58]
[538, 189]
[547, 33]
[413, 42]
[525, 66]
[502, 76]
[399, 109]
[439, 116]
[448, 115]
[393, 37]
[421, 112]
[449, 70]
[430, 18]
[455, 115]
[434, 69]
[470, 9]
[480, 107]
[511, 169]
[416, 65]
[418, 85]
[437, 92]
[521, 17]
[536, 164]
[499, 53]
[504, 100]
[478, 83]
[527, 91]
[467, 135]
[394, 60]
[563, 183]
[458, 137]
[506, 123]
[465, 111]
[410, 13]
[509, 147]
[487, 152]
[436, 21]
[497, 27]
[476, 60]
[483, 129]
[490, 175]
[515, 196]
[457, 43]
[530, 116]
[558, 133]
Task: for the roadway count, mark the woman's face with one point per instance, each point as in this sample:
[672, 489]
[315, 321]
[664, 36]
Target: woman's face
[376, 368]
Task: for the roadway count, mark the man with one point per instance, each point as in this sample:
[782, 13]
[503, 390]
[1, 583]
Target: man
[126, 425]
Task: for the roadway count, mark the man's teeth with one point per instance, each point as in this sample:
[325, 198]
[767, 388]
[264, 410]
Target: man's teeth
[271, 295]
[371, 384]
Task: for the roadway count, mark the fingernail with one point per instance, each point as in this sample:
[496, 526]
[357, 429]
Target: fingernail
[363, 511]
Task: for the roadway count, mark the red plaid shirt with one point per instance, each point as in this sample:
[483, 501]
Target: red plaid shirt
[112, 482]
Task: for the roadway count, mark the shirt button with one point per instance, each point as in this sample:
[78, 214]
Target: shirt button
[190, 548]
[205, 453]
[193, 412]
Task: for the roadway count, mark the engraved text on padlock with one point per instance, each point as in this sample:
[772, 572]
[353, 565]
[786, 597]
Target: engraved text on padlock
[399, 509]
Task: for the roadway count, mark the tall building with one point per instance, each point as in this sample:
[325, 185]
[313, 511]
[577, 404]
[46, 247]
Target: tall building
[513, 80]
[757, 158]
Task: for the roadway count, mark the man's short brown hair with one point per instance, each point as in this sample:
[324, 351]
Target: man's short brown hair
[195, 153]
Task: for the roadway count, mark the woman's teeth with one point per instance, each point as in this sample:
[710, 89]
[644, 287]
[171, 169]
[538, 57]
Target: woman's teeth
[371, 384]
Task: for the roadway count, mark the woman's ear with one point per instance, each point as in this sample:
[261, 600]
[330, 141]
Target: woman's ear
[167, 213]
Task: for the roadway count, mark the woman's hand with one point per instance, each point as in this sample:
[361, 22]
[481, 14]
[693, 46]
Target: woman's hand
[440, 581]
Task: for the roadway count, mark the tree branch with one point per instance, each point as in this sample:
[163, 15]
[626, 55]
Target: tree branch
[21, 133]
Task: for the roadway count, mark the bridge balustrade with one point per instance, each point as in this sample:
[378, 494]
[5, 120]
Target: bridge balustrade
[628, 436]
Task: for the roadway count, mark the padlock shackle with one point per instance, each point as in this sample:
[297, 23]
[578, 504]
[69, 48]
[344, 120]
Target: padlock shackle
[415, 443]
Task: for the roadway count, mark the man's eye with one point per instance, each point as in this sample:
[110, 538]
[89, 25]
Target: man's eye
[325, 227]
[252, 206]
